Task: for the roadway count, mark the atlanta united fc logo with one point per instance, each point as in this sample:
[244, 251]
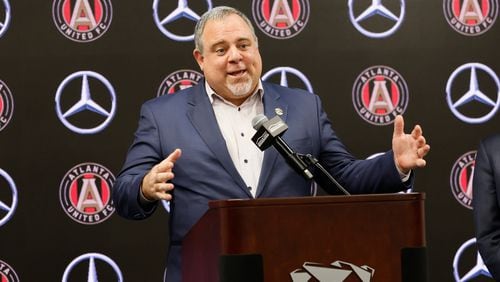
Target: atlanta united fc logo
[179, 80]
[461, 178]
[6, 105]
[85, 193]
[470, 17]
[7, 273]
[281, 19]
[380, 94]
[82, 20]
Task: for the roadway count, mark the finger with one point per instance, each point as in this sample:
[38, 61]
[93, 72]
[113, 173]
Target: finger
[168, 163]
[163, 196]
[424, 151]
[164, 177]
[420, 163]
[398, 126]
[421, 141]
[416, 132]
[163, 187]
[163, 191]
[174, 156]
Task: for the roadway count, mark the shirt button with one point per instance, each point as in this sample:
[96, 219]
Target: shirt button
[245, 161]
[242, 134]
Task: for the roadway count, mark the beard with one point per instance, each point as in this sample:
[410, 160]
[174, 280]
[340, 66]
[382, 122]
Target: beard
[240, 89]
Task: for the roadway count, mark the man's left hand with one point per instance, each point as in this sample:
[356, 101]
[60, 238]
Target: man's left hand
[409, 149]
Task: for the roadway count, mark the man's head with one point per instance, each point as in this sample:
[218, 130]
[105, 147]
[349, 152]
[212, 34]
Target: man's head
[226, 49]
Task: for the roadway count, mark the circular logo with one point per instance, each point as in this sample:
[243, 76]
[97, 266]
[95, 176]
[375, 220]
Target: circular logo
[470, 17]
[85, 193]
[92, 268]
[4, 24]
[377, 20]
[6, 105]
[281, 19]
[284, 74]
[80, 108]
[461, 178]
[380, 94]
[4, 206]
[469, 261]
[174, 22]
[473, 93]
[7, 273]
[82, 20]
[179, 80]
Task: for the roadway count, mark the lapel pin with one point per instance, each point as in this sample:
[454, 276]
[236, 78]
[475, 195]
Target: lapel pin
[278, 111]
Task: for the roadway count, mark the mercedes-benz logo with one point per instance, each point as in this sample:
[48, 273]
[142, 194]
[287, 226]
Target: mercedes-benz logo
[473, 93]
[86, 102]
[5, 24]
[475, 271]
[92, 270]
[283, 72]
[182, 11]
[377, 9]
[4, 207]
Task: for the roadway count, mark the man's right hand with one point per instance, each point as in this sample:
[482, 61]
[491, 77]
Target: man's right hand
[155, 185]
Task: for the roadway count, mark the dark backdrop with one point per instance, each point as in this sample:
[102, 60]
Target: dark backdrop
[40, 240]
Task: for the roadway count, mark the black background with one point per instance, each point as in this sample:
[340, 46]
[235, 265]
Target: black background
[37, 150]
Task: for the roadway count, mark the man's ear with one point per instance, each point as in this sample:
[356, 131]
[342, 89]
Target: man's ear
[199, 58]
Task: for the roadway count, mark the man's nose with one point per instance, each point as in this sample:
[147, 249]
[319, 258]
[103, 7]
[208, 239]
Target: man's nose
[235, 55]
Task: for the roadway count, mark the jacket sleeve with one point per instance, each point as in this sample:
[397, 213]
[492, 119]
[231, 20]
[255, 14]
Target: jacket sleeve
[358, 176]
[143, 154]
[486, 210]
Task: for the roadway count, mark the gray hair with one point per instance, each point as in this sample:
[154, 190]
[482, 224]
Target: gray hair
[216, 14]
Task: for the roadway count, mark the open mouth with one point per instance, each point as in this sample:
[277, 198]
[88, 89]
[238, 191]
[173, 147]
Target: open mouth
[237, 73]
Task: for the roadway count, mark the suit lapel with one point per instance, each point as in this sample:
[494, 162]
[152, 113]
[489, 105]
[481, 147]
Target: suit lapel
[203, 119]
[272, 103]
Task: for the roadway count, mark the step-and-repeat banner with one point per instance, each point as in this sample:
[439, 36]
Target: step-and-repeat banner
[74, 73]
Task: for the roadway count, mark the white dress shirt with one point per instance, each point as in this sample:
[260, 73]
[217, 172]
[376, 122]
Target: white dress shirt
[235, 123]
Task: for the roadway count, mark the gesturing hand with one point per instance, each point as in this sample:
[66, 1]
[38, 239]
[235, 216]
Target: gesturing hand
[409, 149]
[155, 185]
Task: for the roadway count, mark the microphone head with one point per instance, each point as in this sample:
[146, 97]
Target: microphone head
[258, 121]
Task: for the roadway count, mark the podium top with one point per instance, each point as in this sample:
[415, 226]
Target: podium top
[318, 200]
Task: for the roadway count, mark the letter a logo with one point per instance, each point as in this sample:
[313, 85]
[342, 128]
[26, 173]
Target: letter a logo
[89, 196]
[281, 14]
[380, 101]
[83, 17]
[471, 11]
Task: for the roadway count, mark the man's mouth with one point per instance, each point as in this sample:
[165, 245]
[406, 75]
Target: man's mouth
[237, 73]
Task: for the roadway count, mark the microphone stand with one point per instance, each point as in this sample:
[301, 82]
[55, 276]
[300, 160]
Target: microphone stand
[312, 161]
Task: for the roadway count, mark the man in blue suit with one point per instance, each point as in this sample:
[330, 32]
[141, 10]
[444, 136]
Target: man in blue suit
[486, 202]
[211, 124]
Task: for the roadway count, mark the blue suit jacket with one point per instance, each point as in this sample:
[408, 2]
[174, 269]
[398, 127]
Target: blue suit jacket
[206, 172]
[486, 202]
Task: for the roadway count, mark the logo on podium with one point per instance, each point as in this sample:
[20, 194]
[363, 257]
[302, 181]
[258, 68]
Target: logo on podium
[337, 271]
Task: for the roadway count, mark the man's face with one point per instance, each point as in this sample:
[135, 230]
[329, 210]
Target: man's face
[231, 60]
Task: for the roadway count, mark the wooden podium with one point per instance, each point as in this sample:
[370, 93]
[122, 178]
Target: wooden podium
[292, 233]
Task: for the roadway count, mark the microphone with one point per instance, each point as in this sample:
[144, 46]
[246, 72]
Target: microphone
[269, 133]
